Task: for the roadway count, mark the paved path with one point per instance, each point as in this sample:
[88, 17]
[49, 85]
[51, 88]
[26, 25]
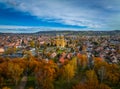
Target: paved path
[22, 83]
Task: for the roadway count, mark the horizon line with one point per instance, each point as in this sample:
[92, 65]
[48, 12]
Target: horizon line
[35, 29]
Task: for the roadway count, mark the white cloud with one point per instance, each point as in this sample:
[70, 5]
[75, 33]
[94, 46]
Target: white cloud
[63, 11]
[27, 29]
[13, 27]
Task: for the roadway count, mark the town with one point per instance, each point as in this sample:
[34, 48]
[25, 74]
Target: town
[71, 61]
[59, 44]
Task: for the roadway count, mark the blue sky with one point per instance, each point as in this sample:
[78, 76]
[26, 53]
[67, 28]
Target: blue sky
[36, 15]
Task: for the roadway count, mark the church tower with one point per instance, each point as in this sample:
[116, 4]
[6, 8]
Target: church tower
[57, 40]
[60, 41]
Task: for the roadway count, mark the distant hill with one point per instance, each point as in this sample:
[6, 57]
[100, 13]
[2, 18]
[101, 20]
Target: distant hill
[68, 32]
[114, 32]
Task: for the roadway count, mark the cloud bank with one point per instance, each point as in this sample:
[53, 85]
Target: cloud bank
[94, 14]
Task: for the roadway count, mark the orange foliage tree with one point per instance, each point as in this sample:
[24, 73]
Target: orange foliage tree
[113, 73]
[68, 70]
[11, 69]
[15, 70]
[108, 72]
[6, 88]
[82, 60]
[45, 73]
[91, 82]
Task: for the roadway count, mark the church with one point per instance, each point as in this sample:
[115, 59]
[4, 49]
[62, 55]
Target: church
[60, 41]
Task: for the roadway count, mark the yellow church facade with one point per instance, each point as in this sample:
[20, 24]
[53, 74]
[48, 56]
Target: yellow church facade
[60, 41]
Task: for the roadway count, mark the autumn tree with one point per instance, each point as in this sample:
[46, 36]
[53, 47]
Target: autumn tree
[15, 70]
[100, 68]
[73, 62]
[85, 86]
[68, 71]
[6, 88]
[10, 69]
[91, 82]
[32, 64]
[108, 72]
[45, 73]
[82, 60]
[31, 88]
[92, 79]
[113, 73]
[4, 74]
[1, 77]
